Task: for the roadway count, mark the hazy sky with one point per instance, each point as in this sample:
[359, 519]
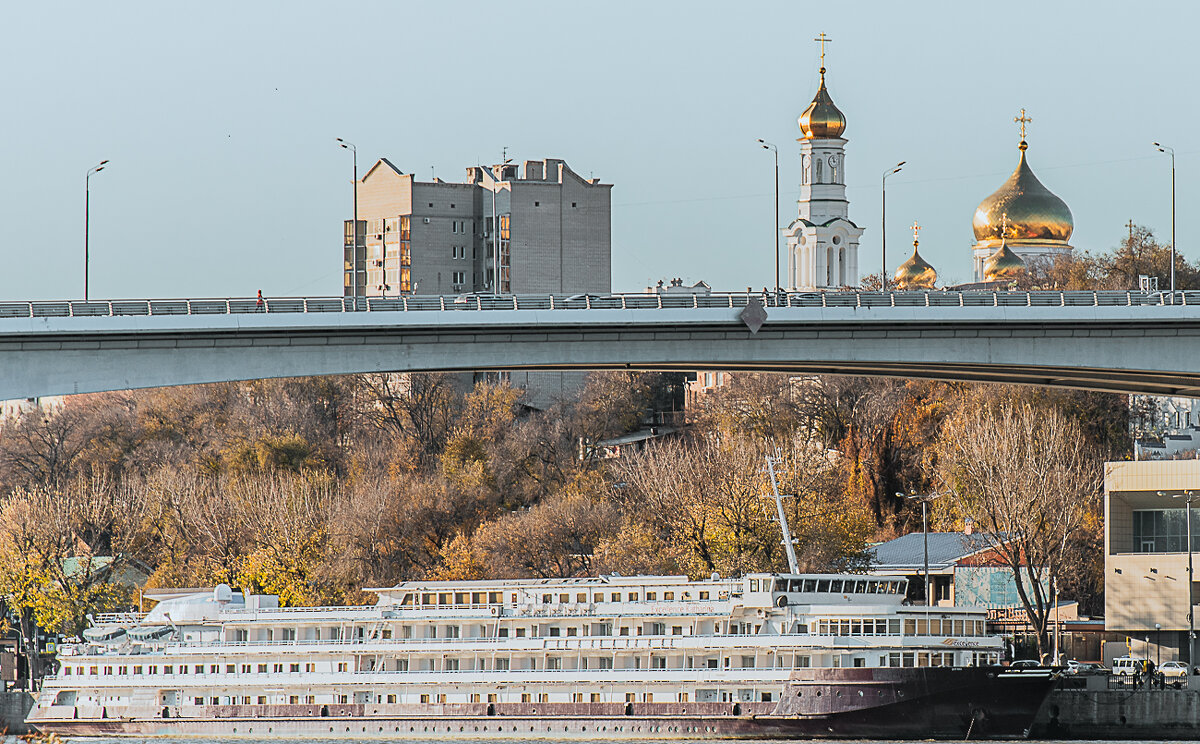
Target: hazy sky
[220, 117]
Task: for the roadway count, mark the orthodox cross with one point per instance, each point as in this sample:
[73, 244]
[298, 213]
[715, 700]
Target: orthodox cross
[1130, 225]
[1022, 120]
[916, 232]
[1003, 226]
[822, 39]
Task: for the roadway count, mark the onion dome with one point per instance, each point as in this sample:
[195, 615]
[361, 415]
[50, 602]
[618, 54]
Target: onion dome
[915, 273]
[822, 120]
[1003, 265]
[1035, 214]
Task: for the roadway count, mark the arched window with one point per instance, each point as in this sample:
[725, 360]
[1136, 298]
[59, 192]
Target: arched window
[841, 267]
[817, 174]
[829, 255]
[806, 169]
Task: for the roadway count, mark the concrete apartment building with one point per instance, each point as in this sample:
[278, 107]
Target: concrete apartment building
[549, 227]
[1146, 557]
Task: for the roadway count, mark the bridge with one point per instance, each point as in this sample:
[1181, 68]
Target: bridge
[1111, 341]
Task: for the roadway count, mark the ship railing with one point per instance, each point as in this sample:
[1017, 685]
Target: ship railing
[119, 618]
[592, 301]
[341, 610]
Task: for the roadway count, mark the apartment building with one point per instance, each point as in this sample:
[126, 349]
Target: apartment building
[537, 228]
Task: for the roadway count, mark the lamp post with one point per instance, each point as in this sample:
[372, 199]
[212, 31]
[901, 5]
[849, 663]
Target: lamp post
[87, 222]
[883, 222]
[775, 233]
[1171, 151]
[1189, 497]
[924, 499]
[354, 228]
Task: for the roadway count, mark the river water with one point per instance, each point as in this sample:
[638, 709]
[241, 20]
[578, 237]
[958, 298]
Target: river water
[540, 741]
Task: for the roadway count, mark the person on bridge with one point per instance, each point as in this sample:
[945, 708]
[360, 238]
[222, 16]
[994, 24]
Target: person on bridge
[260, 305]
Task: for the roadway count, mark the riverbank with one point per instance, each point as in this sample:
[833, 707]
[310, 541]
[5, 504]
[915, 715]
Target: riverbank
[1120, 714]
[14, 706]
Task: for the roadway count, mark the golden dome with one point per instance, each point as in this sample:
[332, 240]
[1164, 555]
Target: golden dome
[915, 273]
[1003, 265]
[822, 120]
[1035, 214]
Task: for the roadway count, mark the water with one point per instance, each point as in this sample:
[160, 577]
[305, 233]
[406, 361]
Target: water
[551, 741]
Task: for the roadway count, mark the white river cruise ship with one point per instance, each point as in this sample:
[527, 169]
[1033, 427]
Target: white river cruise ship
[760, 655]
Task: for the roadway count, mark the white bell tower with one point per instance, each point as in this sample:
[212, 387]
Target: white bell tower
[822, 241]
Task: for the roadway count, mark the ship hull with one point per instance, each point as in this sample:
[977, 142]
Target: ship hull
[925, 703]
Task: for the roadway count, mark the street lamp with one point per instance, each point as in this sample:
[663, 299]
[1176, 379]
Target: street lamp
[1171, 151]
[354, 228]
[1189, 497]
[883, 222]
[87, 221]
[775, 233]
[924, 499]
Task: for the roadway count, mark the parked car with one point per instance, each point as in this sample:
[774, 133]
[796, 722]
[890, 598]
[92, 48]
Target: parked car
[1173, 673]
[1091, 668]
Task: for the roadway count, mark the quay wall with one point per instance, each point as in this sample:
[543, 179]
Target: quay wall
[1120, 714]
[14, 706]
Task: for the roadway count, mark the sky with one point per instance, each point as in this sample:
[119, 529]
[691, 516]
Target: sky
[219, 121]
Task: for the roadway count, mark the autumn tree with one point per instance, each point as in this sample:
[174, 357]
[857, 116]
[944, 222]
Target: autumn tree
[1029, 479]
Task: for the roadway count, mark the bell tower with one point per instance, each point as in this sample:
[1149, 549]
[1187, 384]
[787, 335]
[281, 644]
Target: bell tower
[822, 241]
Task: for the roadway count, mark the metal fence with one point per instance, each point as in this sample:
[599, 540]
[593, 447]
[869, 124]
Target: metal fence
[481, 302]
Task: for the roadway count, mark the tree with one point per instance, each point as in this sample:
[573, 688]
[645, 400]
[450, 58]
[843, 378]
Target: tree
[1031, 482]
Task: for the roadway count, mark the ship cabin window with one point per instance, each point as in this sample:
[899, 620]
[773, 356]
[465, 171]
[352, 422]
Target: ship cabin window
[294, 668]
[230, 668]
[66, 671]
[555, 631]
[427, 599]
[520, 632]
[93, 670]
[547, 598]
[460, 598]
[199, 701]
[669, 596]
[624, 631]
[651, 596]
[277, 668]
[514, 597]
[387, 634]
[502, 633]
[676, 630]
[289, 634]
[214, 668]
[810, 585]
[754, 585]
[631, 597]
[823, 585]
[262, 699]
[443, 598]
[502, 665]
[169, 669]
[835, 586]
[478, 597]
[406, 600]
[526, 697]
[262, 669]
[703, 595]
[581, 597]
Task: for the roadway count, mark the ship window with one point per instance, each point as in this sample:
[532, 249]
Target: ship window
[443, 598]
[860, 587]
[669, 596]
[547, 598]
[498, 597]
[835, 586]
[703, 595]
[605, 662]
[781, 585]
[555, 631]
[294, 668]
[137, 670]
[66, 671]
[526, 697]
[881, 627]
[342, 666]
[893, 627]
[168, 669]
[425, 698]
[564, 598]
[262, 669]
[502, 633]
[581, 597]
[450, 665]
[262, 699]
[823, 585]
[844, 627]
[572, 631]
[922, 627]
[910, 626]
[501, 665]
[427, 599]
[754, 585]
[199, 701]
[460, 598]
[631, 597]
[651, 596]
[958, 627]
[676, 630]
[520, 632]
[856, 627]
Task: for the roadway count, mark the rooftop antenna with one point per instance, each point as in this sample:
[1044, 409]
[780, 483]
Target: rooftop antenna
[793, 564]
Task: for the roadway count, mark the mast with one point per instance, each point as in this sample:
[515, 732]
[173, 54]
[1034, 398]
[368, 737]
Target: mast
[793, 564]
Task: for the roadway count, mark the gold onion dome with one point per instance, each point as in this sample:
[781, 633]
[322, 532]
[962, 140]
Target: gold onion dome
[1035, 214]
[916, 272]
[1003, 265]
[822, 120]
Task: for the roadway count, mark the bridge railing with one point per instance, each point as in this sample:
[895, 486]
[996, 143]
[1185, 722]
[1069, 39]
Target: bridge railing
[597, 301]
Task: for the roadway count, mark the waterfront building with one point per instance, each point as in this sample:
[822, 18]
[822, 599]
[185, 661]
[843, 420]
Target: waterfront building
[1146, 587]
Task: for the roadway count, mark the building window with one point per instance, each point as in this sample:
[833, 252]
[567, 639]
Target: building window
[537, 204]
[1163, 531]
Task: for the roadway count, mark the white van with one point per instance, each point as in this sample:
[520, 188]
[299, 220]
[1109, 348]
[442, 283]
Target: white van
[1128, 666]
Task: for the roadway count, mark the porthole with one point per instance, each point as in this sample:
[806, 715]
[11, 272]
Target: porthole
[837, 239]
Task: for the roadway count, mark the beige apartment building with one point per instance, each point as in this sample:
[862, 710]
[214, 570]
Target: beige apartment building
[1146, 556]
[539, 228]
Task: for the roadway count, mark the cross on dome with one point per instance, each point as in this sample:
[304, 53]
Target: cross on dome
[916, 231]
[822, 39]
[1022, 120]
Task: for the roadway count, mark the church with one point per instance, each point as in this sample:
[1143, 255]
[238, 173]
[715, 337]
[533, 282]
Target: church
[1021, 222]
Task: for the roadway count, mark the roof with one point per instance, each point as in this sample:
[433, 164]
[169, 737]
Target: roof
[945, 549]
